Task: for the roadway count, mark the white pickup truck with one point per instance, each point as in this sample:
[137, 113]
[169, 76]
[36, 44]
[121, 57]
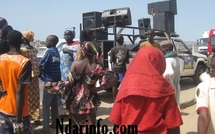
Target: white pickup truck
[193, 64]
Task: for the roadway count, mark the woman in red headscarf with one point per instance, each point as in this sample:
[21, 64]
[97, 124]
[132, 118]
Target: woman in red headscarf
[146, 98]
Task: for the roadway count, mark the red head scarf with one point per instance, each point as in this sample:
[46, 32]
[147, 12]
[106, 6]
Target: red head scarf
[144, 76]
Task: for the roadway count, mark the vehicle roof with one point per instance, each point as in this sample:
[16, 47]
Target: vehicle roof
[164, 38]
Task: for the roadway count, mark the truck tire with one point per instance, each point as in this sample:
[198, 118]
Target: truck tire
[200, 69]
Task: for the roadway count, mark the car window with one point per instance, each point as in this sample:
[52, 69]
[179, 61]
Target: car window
[181, 48]
[212, 41]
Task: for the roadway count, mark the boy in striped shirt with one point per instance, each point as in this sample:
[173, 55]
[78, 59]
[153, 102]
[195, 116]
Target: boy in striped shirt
[50, 68]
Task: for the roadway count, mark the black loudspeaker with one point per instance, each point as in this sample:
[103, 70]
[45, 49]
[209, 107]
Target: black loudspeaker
[144, 23]
[106, 46]
[164, 21]
[163, 6]
[121, 15]
[93, 20]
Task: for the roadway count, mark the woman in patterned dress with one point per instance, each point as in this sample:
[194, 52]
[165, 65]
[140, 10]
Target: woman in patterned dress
[68, 52]
[67, 56]
[33, 91]
[83, 100]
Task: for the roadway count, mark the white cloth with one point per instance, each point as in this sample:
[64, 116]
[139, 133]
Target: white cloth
[173, 74]
[205, 97]
[204, 76]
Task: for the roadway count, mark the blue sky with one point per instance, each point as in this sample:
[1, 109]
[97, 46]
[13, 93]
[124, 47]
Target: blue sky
[47, 17]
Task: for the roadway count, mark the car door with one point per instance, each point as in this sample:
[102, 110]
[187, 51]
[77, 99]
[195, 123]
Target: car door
[187, 62]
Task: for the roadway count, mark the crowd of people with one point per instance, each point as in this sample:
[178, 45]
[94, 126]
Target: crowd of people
[146, 94]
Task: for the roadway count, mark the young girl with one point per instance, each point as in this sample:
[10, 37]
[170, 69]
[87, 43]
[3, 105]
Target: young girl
[33, 91]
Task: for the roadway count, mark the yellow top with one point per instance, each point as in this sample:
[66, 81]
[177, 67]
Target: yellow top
[146, 43]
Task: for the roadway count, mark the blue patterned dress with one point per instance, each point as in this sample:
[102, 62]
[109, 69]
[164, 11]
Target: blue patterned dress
[65, 64]
[66, 60]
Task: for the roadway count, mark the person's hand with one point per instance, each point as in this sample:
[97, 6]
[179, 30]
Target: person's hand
[66, 51]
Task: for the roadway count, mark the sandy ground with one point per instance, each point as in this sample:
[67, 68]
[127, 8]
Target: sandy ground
[189, 115]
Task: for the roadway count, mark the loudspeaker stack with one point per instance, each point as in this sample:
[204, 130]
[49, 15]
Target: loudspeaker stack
[93, 20]
[144, 23]
[163, 15]
[120, 17]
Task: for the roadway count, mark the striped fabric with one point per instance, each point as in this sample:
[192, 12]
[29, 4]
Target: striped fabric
[51, 64]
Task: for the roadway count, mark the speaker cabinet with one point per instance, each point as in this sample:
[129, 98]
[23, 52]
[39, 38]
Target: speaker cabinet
[143, 23]
[93, 20]
[121, 15]
[163, 6]
[164, 21]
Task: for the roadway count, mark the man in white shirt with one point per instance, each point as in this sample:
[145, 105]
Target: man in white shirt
[205, 98]
[172, 72]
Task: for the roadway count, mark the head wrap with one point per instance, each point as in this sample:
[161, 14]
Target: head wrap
[165, 48]
[3, 22]
[29, 35]
[72, 30]
[5, 30]
[144, 76]
[91, 49]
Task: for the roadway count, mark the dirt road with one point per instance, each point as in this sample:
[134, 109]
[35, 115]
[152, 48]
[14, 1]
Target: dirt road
[189, 115]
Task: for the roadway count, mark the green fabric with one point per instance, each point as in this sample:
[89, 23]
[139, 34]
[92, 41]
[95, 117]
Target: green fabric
[171, 54]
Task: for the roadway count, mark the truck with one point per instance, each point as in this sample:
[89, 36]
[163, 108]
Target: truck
[204, 39]
[211, 41]
[193, 64]
[203, 43]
